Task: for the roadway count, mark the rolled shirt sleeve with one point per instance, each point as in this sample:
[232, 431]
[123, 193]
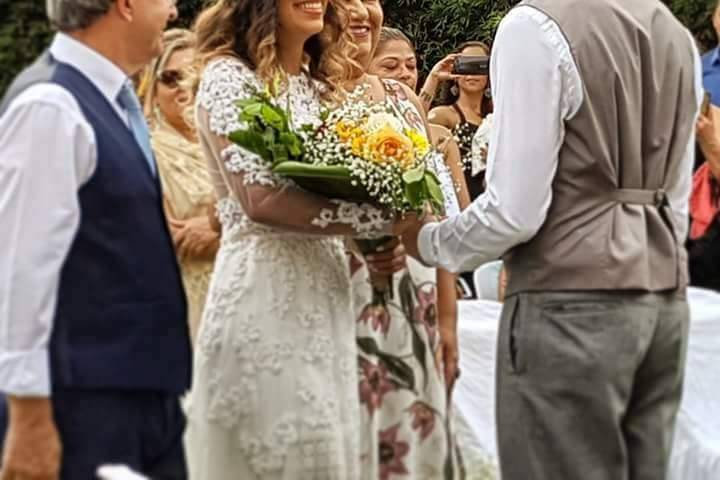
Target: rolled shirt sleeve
[536, 87]
[47, 151]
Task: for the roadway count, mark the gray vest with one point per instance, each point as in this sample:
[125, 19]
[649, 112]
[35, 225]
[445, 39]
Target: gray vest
[609, 226]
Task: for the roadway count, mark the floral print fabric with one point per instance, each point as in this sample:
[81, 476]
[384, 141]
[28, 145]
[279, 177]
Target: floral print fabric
[405, 422]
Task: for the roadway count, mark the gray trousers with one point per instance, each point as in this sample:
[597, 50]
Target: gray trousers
[589, 384]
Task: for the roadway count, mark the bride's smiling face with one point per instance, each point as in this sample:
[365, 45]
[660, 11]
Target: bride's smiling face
[299, 20]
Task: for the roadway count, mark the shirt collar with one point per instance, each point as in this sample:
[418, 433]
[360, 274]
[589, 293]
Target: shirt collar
[715, 56]
[104, 74]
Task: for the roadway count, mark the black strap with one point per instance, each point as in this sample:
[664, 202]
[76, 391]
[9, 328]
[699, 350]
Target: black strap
[459, 112]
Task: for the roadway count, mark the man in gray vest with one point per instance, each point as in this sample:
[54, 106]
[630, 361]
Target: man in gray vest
[588, 182]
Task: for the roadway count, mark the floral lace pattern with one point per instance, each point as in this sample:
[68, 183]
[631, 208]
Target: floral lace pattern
[240, 161]
[366, 220]
[227, 80]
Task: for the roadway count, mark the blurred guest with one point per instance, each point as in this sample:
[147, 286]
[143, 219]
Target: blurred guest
[95, 348]
[415, 330]
[704, 243]
[188, 193]
[711, 63]
[464, 103]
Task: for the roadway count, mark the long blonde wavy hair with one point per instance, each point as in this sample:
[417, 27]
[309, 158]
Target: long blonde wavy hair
[246, 29]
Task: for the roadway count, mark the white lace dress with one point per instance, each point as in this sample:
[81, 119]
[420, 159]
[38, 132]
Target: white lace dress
[275, 388]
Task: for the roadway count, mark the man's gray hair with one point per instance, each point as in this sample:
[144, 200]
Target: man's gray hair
[69, 15]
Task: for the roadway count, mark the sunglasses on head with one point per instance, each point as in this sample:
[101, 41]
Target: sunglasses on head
[171, 78]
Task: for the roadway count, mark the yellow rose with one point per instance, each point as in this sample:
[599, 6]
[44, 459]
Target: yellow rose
[387, 145]
[420, 142]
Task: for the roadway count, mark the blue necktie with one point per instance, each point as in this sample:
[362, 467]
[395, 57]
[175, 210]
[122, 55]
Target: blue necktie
[138, 126]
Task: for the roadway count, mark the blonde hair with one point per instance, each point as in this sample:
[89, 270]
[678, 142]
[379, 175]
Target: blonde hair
[246, 29]
[174, 40]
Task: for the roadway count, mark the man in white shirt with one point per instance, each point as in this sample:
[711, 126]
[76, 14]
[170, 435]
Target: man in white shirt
[588, 183]
[94, 347]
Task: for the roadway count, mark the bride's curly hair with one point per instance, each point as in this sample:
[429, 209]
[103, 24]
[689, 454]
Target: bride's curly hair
[246, 29]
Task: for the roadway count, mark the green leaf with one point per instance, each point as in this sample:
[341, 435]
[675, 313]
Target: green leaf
[269, 137]
[414, 175]
[246, 102]
[272, 117]
[300, 169]
[253, 109]
[415, 193]
[251, 141]
[328, 181]
[279, 153]
[293, 143]
[436, 194]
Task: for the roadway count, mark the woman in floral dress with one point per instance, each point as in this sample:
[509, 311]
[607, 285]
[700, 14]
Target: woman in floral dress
[405, 421]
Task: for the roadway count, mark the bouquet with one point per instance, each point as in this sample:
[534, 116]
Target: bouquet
[361, 152]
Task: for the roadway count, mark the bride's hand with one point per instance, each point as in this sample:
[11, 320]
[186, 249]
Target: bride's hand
[389, 259]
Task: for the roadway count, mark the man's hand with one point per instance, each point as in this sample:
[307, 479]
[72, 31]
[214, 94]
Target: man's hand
[411, 233]
[449, 357]
[32, 449]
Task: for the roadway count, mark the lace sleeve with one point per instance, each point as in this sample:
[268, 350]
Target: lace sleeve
[265, 197]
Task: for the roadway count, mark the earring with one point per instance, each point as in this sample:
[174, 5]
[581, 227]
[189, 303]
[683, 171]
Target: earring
[454, 90]
[488, 93]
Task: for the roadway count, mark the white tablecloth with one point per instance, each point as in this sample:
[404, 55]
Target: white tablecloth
[696, 453]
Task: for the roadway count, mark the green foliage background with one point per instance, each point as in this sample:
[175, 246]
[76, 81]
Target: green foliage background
[437, 26]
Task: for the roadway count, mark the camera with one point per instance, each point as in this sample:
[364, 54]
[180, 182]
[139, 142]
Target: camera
[471, 65]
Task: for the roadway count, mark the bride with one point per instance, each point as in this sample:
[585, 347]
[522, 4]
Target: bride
[275, 389]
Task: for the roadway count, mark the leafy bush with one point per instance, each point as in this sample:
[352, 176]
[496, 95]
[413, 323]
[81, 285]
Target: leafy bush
[24, 32]
[437, 26]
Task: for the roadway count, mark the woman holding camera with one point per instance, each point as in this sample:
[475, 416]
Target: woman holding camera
[464, 101]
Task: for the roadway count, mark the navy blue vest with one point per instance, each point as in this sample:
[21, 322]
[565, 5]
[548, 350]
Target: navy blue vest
[121, 320]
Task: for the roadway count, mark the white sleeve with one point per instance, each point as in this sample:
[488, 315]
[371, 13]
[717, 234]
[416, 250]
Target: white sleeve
[536, 87]
[47, 151]
[680, 185]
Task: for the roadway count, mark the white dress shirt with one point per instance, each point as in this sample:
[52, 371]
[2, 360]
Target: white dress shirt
[537, 87]
[47, 152]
